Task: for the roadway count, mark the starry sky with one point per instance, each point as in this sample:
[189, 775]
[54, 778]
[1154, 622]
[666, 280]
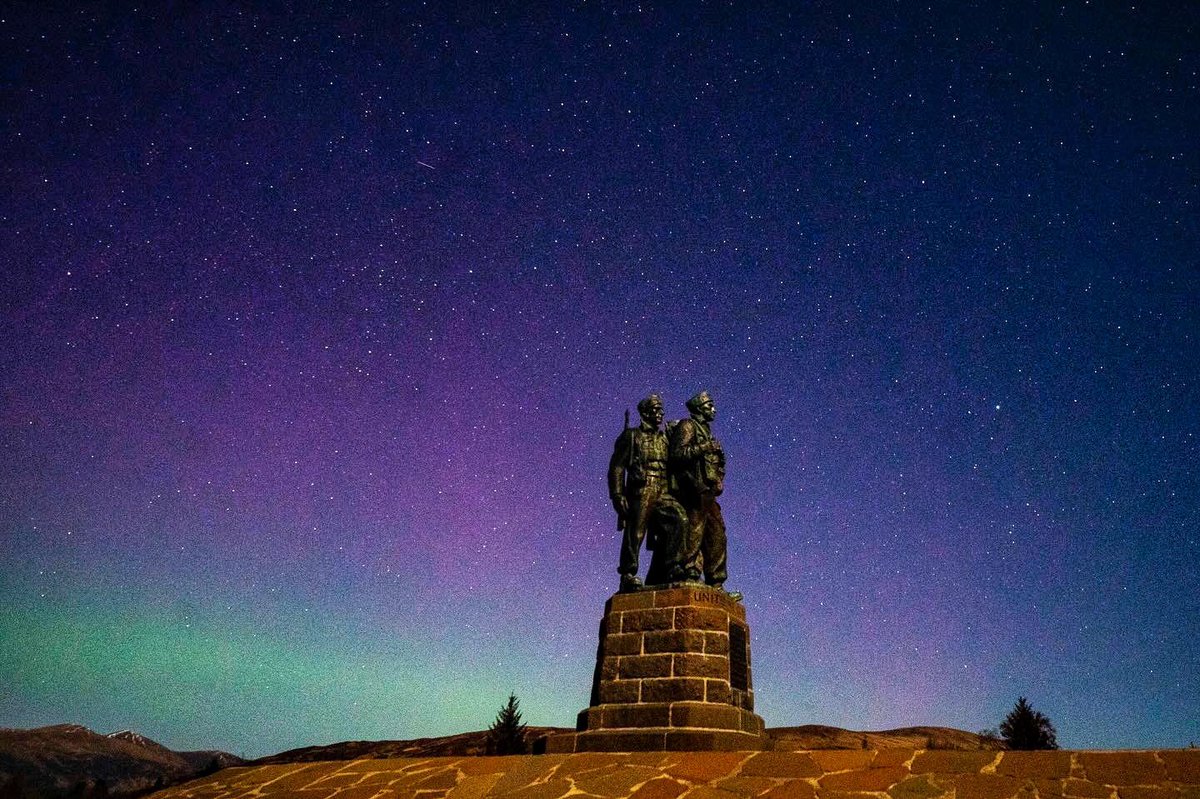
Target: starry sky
[317, 326]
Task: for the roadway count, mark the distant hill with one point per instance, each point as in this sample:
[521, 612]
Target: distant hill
[70, 760]
[791, 739]
[465, 744]
[815, 736]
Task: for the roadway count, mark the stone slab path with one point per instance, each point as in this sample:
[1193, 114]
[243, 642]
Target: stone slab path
[828, 774]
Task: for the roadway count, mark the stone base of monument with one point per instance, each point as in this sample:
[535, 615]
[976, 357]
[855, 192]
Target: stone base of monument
[672, 674]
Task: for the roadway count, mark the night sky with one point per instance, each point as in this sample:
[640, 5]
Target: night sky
[317, 327]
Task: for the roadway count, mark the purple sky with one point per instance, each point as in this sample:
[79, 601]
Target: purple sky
[317, 326]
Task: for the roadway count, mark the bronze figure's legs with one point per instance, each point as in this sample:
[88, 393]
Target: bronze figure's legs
[641, 508]
[712, 544]
[689, 560]
[666, 528]
[703, 546]
[631, 541]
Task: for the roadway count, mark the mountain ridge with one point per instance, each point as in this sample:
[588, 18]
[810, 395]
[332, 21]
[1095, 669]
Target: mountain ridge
[70, 759]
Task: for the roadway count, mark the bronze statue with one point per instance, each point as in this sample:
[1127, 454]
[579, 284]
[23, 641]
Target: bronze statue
[637, 483]
[664, 487]
[697, 464]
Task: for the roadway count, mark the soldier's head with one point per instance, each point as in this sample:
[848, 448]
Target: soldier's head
[702, 405]
[651, 410]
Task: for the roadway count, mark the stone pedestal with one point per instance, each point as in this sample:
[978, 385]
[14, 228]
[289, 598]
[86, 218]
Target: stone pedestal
[672, 674]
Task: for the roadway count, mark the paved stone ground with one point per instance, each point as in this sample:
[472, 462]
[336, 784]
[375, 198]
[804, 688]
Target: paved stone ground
[827, 774]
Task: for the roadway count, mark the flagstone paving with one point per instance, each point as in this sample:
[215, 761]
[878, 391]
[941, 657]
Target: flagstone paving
[829, 774]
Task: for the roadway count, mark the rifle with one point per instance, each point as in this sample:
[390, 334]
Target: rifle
[628, 465]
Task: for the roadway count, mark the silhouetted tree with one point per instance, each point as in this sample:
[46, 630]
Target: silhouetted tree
[1026, 728]
[506, 736]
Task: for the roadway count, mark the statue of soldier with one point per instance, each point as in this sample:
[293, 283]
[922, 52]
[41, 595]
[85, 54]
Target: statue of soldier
[697, 464]
[637, 483]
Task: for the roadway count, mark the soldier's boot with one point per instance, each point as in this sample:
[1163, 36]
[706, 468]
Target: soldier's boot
[736, 596]
[630, 582]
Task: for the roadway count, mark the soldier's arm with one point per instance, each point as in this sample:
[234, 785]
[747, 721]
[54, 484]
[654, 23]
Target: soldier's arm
[616, 467]
[684, 446]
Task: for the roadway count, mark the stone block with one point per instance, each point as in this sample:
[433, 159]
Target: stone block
[742, 699]
[869, 779]
[620, 778]
[1045, 789]
[1183, 765]
[717, 691]
[674, 597]
[1148, 792]
[701, 618]
[620, 741]
[634, 600]
[792, 789]
[843, 759]
[1084, 789]
[370, 791]
[659, 788]
[334, 782]
[608, 668]
[752, 723]
[591, 762]
[474, 787]
[1035, 765]
[951, 762]
[675, 641]
[421, 782]
[987, 786]
[743, 786]
[563, 744]
[892, 757]
[1121, 768]
[673, 689]
[588, 719]
[705, 740]
[701, 767]
[716, 643]
[299, 778]
[711, 666]
[921, 787]
[703, 714]
[638, 666]
[622, 644]
[641, 715]
[485, 765]
[636, 621]
[620, 691]
[782, 764]
[677, 597]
